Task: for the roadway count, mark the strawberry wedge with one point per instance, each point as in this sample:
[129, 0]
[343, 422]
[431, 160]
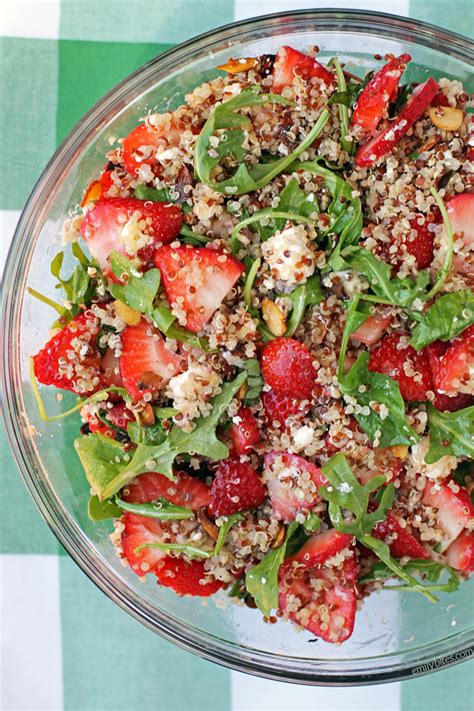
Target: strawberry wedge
[453, 510]
[185, 491]
[146, 363]
[400, 540]
[379, 92]
[196, 280]
[185, 577]
[289, 63]
[292, 484]
[460, 554]
[244, 431]
[383, 142]
[454, 371]
[130, 227]
[139, 147]
[461, 214]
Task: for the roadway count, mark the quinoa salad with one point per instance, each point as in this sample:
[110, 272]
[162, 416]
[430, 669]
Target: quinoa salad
[270, 330]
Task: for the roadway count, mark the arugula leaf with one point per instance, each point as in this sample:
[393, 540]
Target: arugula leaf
[356, 316]
[64, 313]
[254, 381]
[76, 288]
[262, 580]
[451, 433]
[448, 259]
[400, 292]
[105, 464]
[307, 294]
[312, 523]
[194, 238]
[185, 548]
[368, 388]
[165, 321]
[98, 510]
[142, 192]
[224, 531]
[152, 434]
[430, 570]
[450, 315]
[345, 492]
[161, 509]
[141, 288]
[202, 440]
[295, 200]
[346, 144]
[245, 179]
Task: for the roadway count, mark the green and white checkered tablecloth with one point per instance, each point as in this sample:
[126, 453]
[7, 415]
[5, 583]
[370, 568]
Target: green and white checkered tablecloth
[64, 644]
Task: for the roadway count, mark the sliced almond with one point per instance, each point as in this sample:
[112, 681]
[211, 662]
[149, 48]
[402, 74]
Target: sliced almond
[147, 416]
[273, 317]
[400, 451]
[279, 538]
[430, 143]
[242, 391]
[128, 315]
[234, 66]
[446, 118]
[93, 193]
[208, 525]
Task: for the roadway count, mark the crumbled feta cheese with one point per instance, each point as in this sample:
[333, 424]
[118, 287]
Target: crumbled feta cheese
[289, 255]
[416, 462]
[191, 392]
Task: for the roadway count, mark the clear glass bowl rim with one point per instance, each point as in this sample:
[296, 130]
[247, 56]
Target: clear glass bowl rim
[330, 673]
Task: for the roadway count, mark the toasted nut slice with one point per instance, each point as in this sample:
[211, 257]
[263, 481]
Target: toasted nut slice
[128, 315]
[446, 117]
[242, 391]
[400, 451]
[93, 192]
[430, 143]
[147, 416]
[273, 317]
[233, 66]
[279, 538]
[208, 525]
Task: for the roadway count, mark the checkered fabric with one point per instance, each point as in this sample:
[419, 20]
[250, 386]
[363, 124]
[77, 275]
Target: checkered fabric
[64, 644]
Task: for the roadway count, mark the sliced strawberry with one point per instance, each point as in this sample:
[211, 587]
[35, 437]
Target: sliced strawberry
[139, 531]
[96, 426]
[403, 542]
[196, 280]
[461, 214]
[435, 351]
[373, 102]
[440, 100]
[384, 141]
[371, 330]
[320, 598]
[245, 432]
[289, 63]
[185, 577]
[460, 554]
[146, 363]
[411, 369]
[385, 463]
[422, 245]
[320, 547]
[283, 408]
[289, 488]
[70, 359]
[454, 371]
[110, 370]
[287, 366]
[236, 487]
[186, 491]
[453, 510]
[120, 415]
[138, 147]
[128, 226]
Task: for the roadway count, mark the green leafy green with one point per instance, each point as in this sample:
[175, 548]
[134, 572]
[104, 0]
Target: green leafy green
[451, 433]
[296, 201]
[140, 289]
[224, 531]
[450, 315]
[357, 314]
[371, 391]
[346, 144]
[142, 192]
[307, 294]
[165, 321]
[152, 434]
[194, 238]
[448, 259]
[429, 570]
[77, 288]
[312, 523]
[262, 580]
[344, 492]
[184, 548]
[161, 509]
[254, 380]
[245, 179]
[64, 313]
[98, 510]
[105, 463]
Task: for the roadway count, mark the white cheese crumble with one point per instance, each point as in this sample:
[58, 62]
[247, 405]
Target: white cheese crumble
[191, 392]
[289, 255]
[416, 462]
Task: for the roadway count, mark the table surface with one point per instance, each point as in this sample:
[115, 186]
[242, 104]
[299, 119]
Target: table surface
[64, 644]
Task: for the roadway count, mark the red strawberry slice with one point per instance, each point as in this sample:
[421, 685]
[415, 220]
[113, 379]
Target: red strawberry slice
[422, 245]
[460, 554]
[110, 370]
[403, 542]
[440, 100]
[385, 463]
[186, 491]
[320, 547]
[461, 214]
[287, 367]
[185, 577]
[245, 432]
[96, 426]
[289, 63]
[373, 102]
[454, 371]
[411, 369]
[146, 363]
[120, 415]
[139, 531]
[70, 359]
[290, 489]
[453, 510]
[280, 408]
[321, 599]
[138, 147]
[384, 141]
[196, 280]
[371, 330]
[116, 224]
[236, 487]
[450, 402]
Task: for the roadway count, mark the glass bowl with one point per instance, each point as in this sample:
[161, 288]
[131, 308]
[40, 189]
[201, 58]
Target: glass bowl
[396, 635]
